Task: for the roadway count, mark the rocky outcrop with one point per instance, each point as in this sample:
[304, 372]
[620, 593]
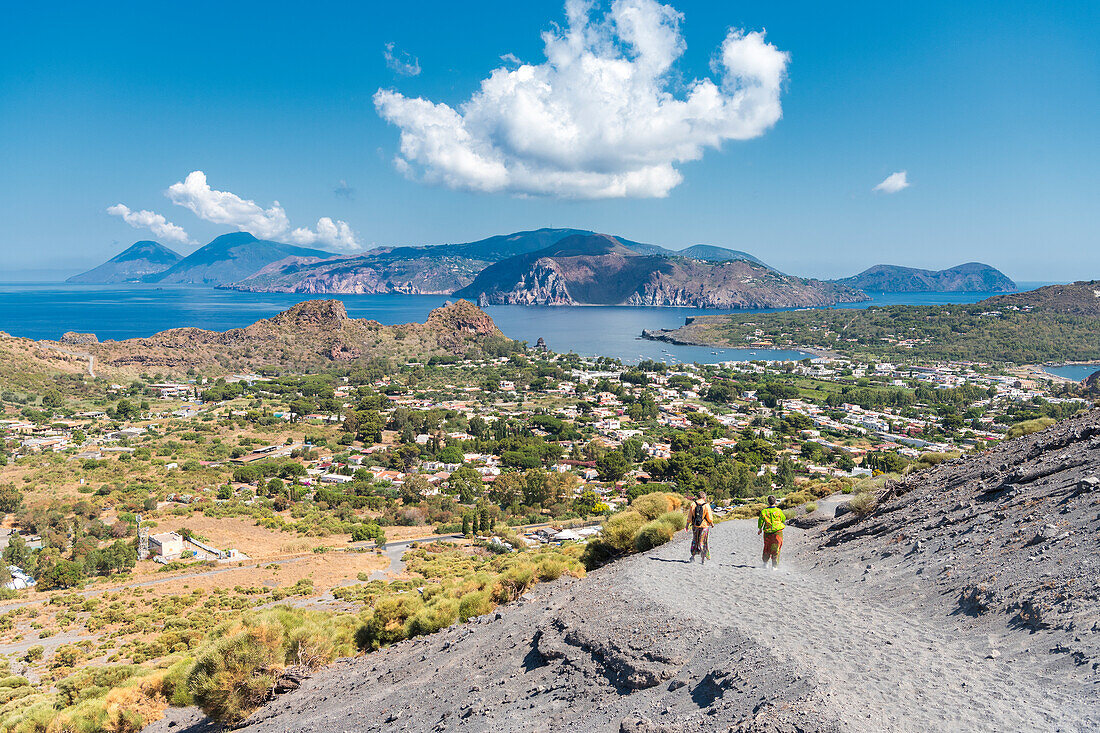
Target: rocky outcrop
[74, 338]
[308, 335]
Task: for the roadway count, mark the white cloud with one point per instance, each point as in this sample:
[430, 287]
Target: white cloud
[224, 207]
[894, 182]
[598, 118]
[401, 62]
[161, 228]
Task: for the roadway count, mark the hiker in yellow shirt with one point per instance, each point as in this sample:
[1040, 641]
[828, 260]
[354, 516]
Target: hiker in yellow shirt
[771, 526]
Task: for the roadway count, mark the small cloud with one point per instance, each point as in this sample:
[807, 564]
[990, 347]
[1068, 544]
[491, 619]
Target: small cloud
[511, 58]
[401, 62]
[225, 207]
[343, 190]
[160, 227]
[894, 182]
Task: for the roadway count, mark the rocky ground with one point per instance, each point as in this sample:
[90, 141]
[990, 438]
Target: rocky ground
[967, 601]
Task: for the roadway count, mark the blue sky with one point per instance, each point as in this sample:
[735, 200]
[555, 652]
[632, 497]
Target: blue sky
[992, 109]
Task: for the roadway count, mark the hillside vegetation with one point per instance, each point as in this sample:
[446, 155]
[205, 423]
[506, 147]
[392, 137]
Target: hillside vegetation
[1054, 323]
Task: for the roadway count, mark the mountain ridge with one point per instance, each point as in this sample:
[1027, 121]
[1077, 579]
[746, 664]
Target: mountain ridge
[228, 258]
[967, 277]
[602, 270]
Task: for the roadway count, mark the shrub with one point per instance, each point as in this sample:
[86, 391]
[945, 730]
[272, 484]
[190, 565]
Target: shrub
[1027, 427]
[619, 530]
[513, 582]
[387, 621]
[233, 676]
[934, 458]
[234, 673]
[596, 553]
[473, 604]
[796, 498]
[863, 503]
[810, 508]
[172, 685]
[654, 505]
[431, 619]
[652, 534]
[676, 520]
[550, 569]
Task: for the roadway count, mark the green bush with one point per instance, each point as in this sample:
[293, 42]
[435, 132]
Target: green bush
[473, 604]
[598, 552]
[550, 569]
[619, 530]
[1027, 427]
[863, 503]
[653, 534]
[434, 617]
[234, 675]
[387, 623]
[675, 520]
[654, 505]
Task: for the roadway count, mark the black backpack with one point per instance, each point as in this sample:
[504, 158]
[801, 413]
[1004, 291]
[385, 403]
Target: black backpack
[698, 514]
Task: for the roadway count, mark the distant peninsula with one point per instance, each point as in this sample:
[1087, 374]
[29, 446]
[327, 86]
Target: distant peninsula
[972, 277]
[1052, 323]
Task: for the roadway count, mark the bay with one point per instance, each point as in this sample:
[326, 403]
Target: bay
[1076, 372]
[46, 310]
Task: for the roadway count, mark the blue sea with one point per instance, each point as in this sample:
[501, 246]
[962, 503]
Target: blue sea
[46, 310]
[1076, 372]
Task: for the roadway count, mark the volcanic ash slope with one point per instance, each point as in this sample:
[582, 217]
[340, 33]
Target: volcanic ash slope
[967, 601]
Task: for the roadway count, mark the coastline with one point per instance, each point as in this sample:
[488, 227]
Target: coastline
[665, 335]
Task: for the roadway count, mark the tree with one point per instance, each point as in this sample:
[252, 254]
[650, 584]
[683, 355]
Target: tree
[16, 553]
[52, 399]
[535, 491]
[467, 523]
[785, 473]
[60, 575]
[11, 498]
[478, 427]
[406, 455]
[507, 488]
[585, 504]
[414, 489]
[466, 482]
[612, 466]
[246, 474]
[561, 486]
[368, 531]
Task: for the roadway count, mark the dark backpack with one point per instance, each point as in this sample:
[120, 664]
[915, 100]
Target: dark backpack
[698, 514]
